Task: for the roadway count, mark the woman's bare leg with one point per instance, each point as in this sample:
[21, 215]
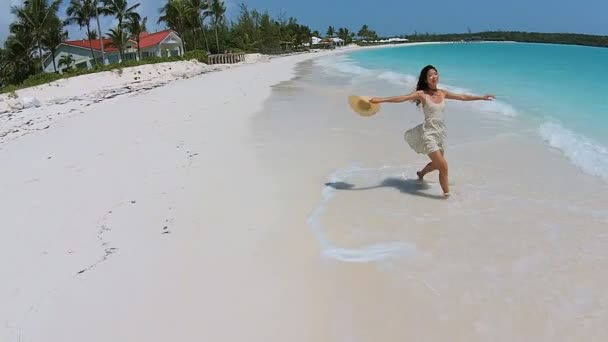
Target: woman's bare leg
[441, 164]
[428, 168]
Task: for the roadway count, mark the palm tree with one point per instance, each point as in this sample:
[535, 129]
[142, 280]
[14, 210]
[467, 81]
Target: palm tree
[18, 56]
[344, 34]
[7, 74]
[92, 35]
[331, 31]
[80, 12]
[97, 11]
[199, 9]
[66, 60]
[302, 35]
[174, 14]
[363, 32]
[120, 10]
[246, 30]
[54, 36]
[136, 28]
[216, 12]
[35, 16]
[7, 71]
[119, 38]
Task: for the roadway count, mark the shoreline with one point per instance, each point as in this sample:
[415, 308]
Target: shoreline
[28, 111]
[381, 231]
[136, 179]
[553, 133]
[185, 210]
[127, 199]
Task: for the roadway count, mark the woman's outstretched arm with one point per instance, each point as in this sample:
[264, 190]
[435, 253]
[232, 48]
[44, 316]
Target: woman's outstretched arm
[396, 99]
[463, 97]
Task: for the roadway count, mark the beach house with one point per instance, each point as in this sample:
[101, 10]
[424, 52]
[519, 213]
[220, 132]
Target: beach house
[159, 44]
[327, 43]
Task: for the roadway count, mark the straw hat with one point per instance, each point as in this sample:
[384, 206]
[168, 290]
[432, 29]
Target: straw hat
[362, 106]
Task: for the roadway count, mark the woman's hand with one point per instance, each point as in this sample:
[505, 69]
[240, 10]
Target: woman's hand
[488, 97]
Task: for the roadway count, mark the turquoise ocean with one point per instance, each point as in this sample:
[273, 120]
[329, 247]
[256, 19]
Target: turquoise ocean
[558, 91]
[528, 181]
[535, 159]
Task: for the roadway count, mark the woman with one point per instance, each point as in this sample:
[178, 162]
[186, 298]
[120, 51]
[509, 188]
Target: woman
[429, 137]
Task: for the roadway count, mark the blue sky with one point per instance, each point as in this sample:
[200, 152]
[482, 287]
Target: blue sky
[394, 17]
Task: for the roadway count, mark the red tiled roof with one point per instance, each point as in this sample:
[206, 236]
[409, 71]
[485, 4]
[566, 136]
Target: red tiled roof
[146, 40]
[95, 44]
[151, 39]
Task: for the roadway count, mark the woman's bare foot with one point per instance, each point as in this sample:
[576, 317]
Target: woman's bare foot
[420, 175]
[446, 195]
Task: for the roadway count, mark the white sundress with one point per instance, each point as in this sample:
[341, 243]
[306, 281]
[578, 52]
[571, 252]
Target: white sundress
[429, 136]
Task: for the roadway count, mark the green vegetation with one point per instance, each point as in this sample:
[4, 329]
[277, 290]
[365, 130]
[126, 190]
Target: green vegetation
[524, 37]
[39, 29]
[202, 25]
[199, 55]
[43, 78]
[366, 34]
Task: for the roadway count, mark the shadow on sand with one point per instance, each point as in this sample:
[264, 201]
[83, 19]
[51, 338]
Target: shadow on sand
[406, 186]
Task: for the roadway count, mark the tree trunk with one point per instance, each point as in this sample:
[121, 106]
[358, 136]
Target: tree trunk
[205, 36]
[194, 37]
[138, 50]
[181, 35]
[91, 44]
[217, 42]
[103, 55]
[121, 49]
[40, 56]
[53, 55]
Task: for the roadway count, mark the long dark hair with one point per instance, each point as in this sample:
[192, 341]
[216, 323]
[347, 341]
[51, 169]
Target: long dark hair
[422, 84]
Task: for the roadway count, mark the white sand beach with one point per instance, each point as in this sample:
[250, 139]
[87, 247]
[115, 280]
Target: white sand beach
[135, 210]
[192, 205]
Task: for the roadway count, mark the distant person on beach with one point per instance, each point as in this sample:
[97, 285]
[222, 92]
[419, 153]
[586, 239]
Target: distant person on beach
[429, 137]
